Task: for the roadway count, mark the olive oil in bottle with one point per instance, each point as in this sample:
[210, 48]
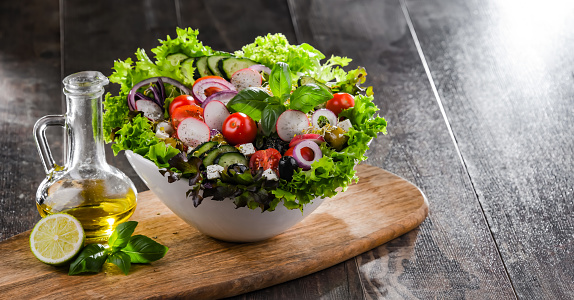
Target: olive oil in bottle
[99, 195]
[98, 208]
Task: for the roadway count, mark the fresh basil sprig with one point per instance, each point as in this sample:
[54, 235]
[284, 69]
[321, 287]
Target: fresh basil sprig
[123, 250]
[280, 80]
[306, 97]
[269, 117]
[91, 259]
[249, 101]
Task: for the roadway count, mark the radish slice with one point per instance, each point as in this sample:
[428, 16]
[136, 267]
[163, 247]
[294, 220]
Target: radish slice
[290, 123]
[317, 138]
[323, 112]
[298, 156]
[223, 96]
[261, 68]
[214, 114]
[150, 109]
[201, 85]
[245, 78]
[192, 132]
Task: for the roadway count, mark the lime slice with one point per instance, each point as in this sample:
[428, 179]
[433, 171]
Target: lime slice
[57, 238]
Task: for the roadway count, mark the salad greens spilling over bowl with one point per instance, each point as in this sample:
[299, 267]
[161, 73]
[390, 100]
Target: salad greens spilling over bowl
[270, 123]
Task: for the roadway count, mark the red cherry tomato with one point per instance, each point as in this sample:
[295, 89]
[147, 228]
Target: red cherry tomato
[340, 102]
[266, 159]
[186, 111]
[239, 128]
[181, 100]
[306, 152]
[211, 90]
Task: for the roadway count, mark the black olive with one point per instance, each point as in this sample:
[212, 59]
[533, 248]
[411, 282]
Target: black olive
[287, 166]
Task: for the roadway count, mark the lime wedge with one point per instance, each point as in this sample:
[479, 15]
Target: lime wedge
[57, 238]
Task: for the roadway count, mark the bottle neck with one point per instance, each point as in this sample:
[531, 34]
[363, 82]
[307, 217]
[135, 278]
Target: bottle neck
[84, 125]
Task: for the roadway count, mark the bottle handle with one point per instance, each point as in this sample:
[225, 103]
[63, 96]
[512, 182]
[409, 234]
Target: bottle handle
[41, 141]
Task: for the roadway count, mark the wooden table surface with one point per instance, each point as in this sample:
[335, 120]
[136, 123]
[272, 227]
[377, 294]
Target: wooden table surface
[479, 96]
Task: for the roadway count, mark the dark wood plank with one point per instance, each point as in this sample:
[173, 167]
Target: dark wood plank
[504, 73]
[30, 84]
[98, 32]
[228, 25]
[452, 255]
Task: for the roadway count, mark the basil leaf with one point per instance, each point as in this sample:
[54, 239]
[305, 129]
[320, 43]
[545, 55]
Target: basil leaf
[251, 93]
[305, 97]
[269, 117]
[121, 260]
[280, 79]
[250, 102]
[91, 259]
[121, 236]
[142, 249]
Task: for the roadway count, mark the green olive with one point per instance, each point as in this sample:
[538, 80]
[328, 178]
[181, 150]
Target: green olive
[336, 138]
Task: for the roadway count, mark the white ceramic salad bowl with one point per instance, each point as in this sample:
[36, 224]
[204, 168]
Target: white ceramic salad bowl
[218, 219]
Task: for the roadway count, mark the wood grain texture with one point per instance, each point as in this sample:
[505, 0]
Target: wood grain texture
[504, 73]
[229, 25]
[452, 255]
[381, 207]
[30, 88]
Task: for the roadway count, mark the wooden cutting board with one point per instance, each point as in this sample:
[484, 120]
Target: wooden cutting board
[381, 207]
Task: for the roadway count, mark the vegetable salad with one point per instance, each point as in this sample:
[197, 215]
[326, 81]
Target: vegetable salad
[268, 124]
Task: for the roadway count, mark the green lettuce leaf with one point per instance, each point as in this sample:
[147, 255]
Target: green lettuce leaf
[139, 137]
[274, 48]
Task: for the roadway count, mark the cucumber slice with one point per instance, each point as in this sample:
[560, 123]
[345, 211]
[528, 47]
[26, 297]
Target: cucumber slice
[202, 69]
[175, 59]
[303, 80]
[212, 64]
[227, 159]
[212, 154]
[202, 149]
[230, 65]
[188, 68]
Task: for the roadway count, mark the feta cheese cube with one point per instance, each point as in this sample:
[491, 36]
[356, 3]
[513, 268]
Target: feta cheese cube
[270, 175]
[214, 171]
[345, 125]
[160, 134]
[246, 149]
[165, 127]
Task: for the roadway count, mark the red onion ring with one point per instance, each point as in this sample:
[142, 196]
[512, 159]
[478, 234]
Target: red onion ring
[301, 161]
[224, 96]
[132, 94]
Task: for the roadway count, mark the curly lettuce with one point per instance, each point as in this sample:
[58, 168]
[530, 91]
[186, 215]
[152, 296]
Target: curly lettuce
[302, 59]
[139, 137]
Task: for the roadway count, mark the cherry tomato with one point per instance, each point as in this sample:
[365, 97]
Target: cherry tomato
[306, 152]
[181, 100]
[211, 90]
[239, 128]
[340, 102]
[186, 111]
[266, 159]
